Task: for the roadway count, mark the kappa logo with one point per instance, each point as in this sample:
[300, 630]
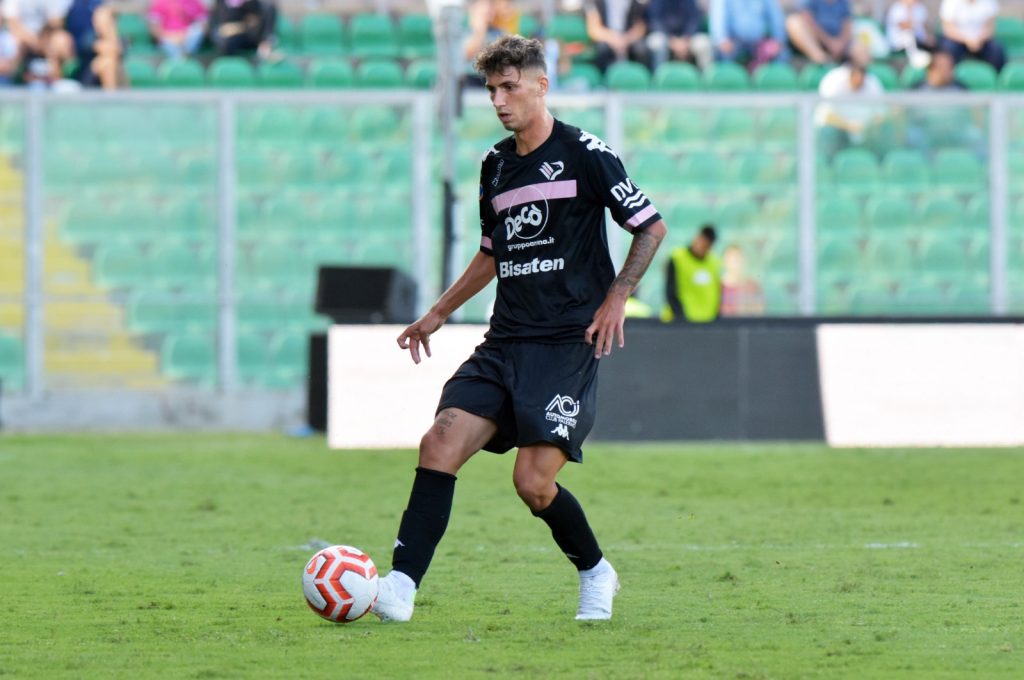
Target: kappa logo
[561, 430]
[497, 172]
[594, 144]
[627, 193]
[552, 170]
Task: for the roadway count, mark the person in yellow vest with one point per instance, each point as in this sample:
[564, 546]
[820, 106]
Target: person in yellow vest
[693, 281]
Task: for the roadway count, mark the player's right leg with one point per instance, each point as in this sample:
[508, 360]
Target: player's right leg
[452, 440]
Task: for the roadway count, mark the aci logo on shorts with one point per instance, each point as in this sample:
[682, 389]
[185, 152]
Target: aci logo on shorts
[562, 410]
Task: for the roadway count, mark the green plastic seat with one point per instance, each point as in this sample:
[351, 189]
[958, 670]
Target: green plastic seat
[120, 265]
[763, 172]
[941, 212]
[181, 73]
[379, 73]
[373, 123]
[837, 214]
[736, 216]
[685, 128]
[582, 76]
[1011, 78]
[287, 32]
[905, 168]
[702, 170]
[1009, 31]
[628, 76]
[283, 74]
[910, 77]
[330, 73]
[654, 170]
[12, 362]
[140, 72]
[190, 357]
[287, 361]
[886, 75]
[941, 256]
[733, 128]
[855, 169]
[373, 36]
[160, 311]
[568, 28]
[976, 75]
[416, 36]
[776, 78]
[322, 34]
[676, 76]
[778, 129]
[134, 32]
[958, 170]
[421, 74]
[173, 265]
[687, 215]
[231, 72]
[251, 355]
[811, 75]
[889, 213]
[726, 76]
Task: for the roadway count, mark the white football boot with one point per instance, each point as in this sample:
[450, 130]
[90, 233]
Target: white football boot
[598, 587]
[396, 594]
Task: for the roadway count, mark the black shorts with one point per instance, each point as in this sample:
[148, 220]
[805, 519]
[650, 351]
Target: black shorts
[534, 392]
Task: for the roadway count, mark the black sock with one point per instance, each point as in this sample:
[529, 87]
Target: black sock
[423, 522]
[570, 529]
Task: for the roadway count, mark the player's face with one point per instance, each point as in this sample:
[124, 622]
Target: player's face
[518, 96]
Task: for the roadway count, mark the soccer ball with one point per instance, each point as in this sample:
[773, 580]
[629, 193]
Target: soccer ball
[340, 583]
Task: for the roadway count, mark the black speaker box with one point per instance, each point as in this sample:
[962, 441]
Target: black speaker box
[366, 295]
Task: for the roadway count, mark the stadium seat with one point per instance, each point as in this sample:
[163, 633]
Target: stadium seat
[941, 212]
[379, 73]
[676, 76]
[568, 29]
[654, 171]
[181, 73]
[1012, 77]
[231, 72]
[910, 77]
[889, 260]
[330, 73]
[373, 124]
[941, 256]
[688, 215]
[886, 75]
[120, 265]
[1009, 31]
[421, 74]
[889, 213]
[140, 72]
[811, 75]
[976, 75]
[190, 357]
[373, 36]
[133, 30]
[582, 76]
[855, 170]
[702, 170]
[958, 170]
[172, 265]
[905, 168]
[777, 130]
[685, 128]
[776, 78]
[12, 362]
[322, 34]
[251, 355]
[628, 75]
[736, 216]
[726, 76]
[763, 172]
[733, 128]
[287, 32]
[837, 215]
[284, 74]
[416, 36]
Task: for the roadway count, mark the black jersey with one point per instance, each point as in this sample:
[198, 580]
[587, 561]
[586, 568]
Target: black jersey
[542, 219]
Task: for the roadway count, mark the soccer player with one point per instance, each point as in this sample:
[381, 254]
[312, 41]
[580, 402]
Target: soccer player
[532, 384]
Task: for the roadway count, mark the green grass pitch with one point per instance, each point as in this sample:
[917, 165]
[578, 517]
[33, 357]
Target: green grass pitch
[181, 557]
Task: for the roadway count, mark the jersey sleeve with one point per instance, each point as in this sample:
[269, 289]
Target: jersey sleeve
[630, 207]
[488, 218]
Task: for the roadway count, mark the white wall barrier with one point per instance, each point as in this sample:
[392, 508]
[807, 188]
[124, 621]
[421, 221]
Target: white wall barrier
[376, 396]
[922, 385]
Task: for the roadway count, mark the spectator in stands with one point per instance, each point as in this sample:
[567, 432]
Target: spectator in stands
[241, 26]
[741, 294]
[968, 27]
[821, 29]
[618, 29]
[8, 57]
[178, 26]
[747, 30]
[906, 29]
[693, 281]
[673, 32]
[940, 76]
[93, 27]
[488, 21]
[931, 127]
[43, 44]
[849, 124]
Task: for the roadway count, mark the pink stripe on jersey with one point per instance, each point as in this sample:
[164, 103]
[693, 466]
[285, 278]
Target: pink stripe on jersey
[639, 218]
[534, 192]
[485, 241]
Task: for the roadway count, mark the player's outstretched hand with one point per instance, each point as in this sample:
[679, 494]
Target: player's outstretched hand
[419, 334]
[607, 326]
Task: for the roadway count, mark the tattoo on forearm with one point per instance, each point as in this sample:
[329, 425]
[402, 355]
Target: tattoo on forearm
[445, 420]
[641, 252]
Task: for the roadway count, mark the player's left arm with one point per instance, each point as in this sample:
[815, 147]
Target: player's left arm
[607, 326]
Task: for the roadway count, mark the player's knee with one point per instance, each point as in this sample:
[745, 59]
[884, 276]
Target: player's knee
[437, 454]
[536, 490]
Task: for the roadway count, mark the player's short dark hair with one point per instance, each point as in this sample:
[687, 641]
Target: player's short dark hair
[708, 232]
[510, 51]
